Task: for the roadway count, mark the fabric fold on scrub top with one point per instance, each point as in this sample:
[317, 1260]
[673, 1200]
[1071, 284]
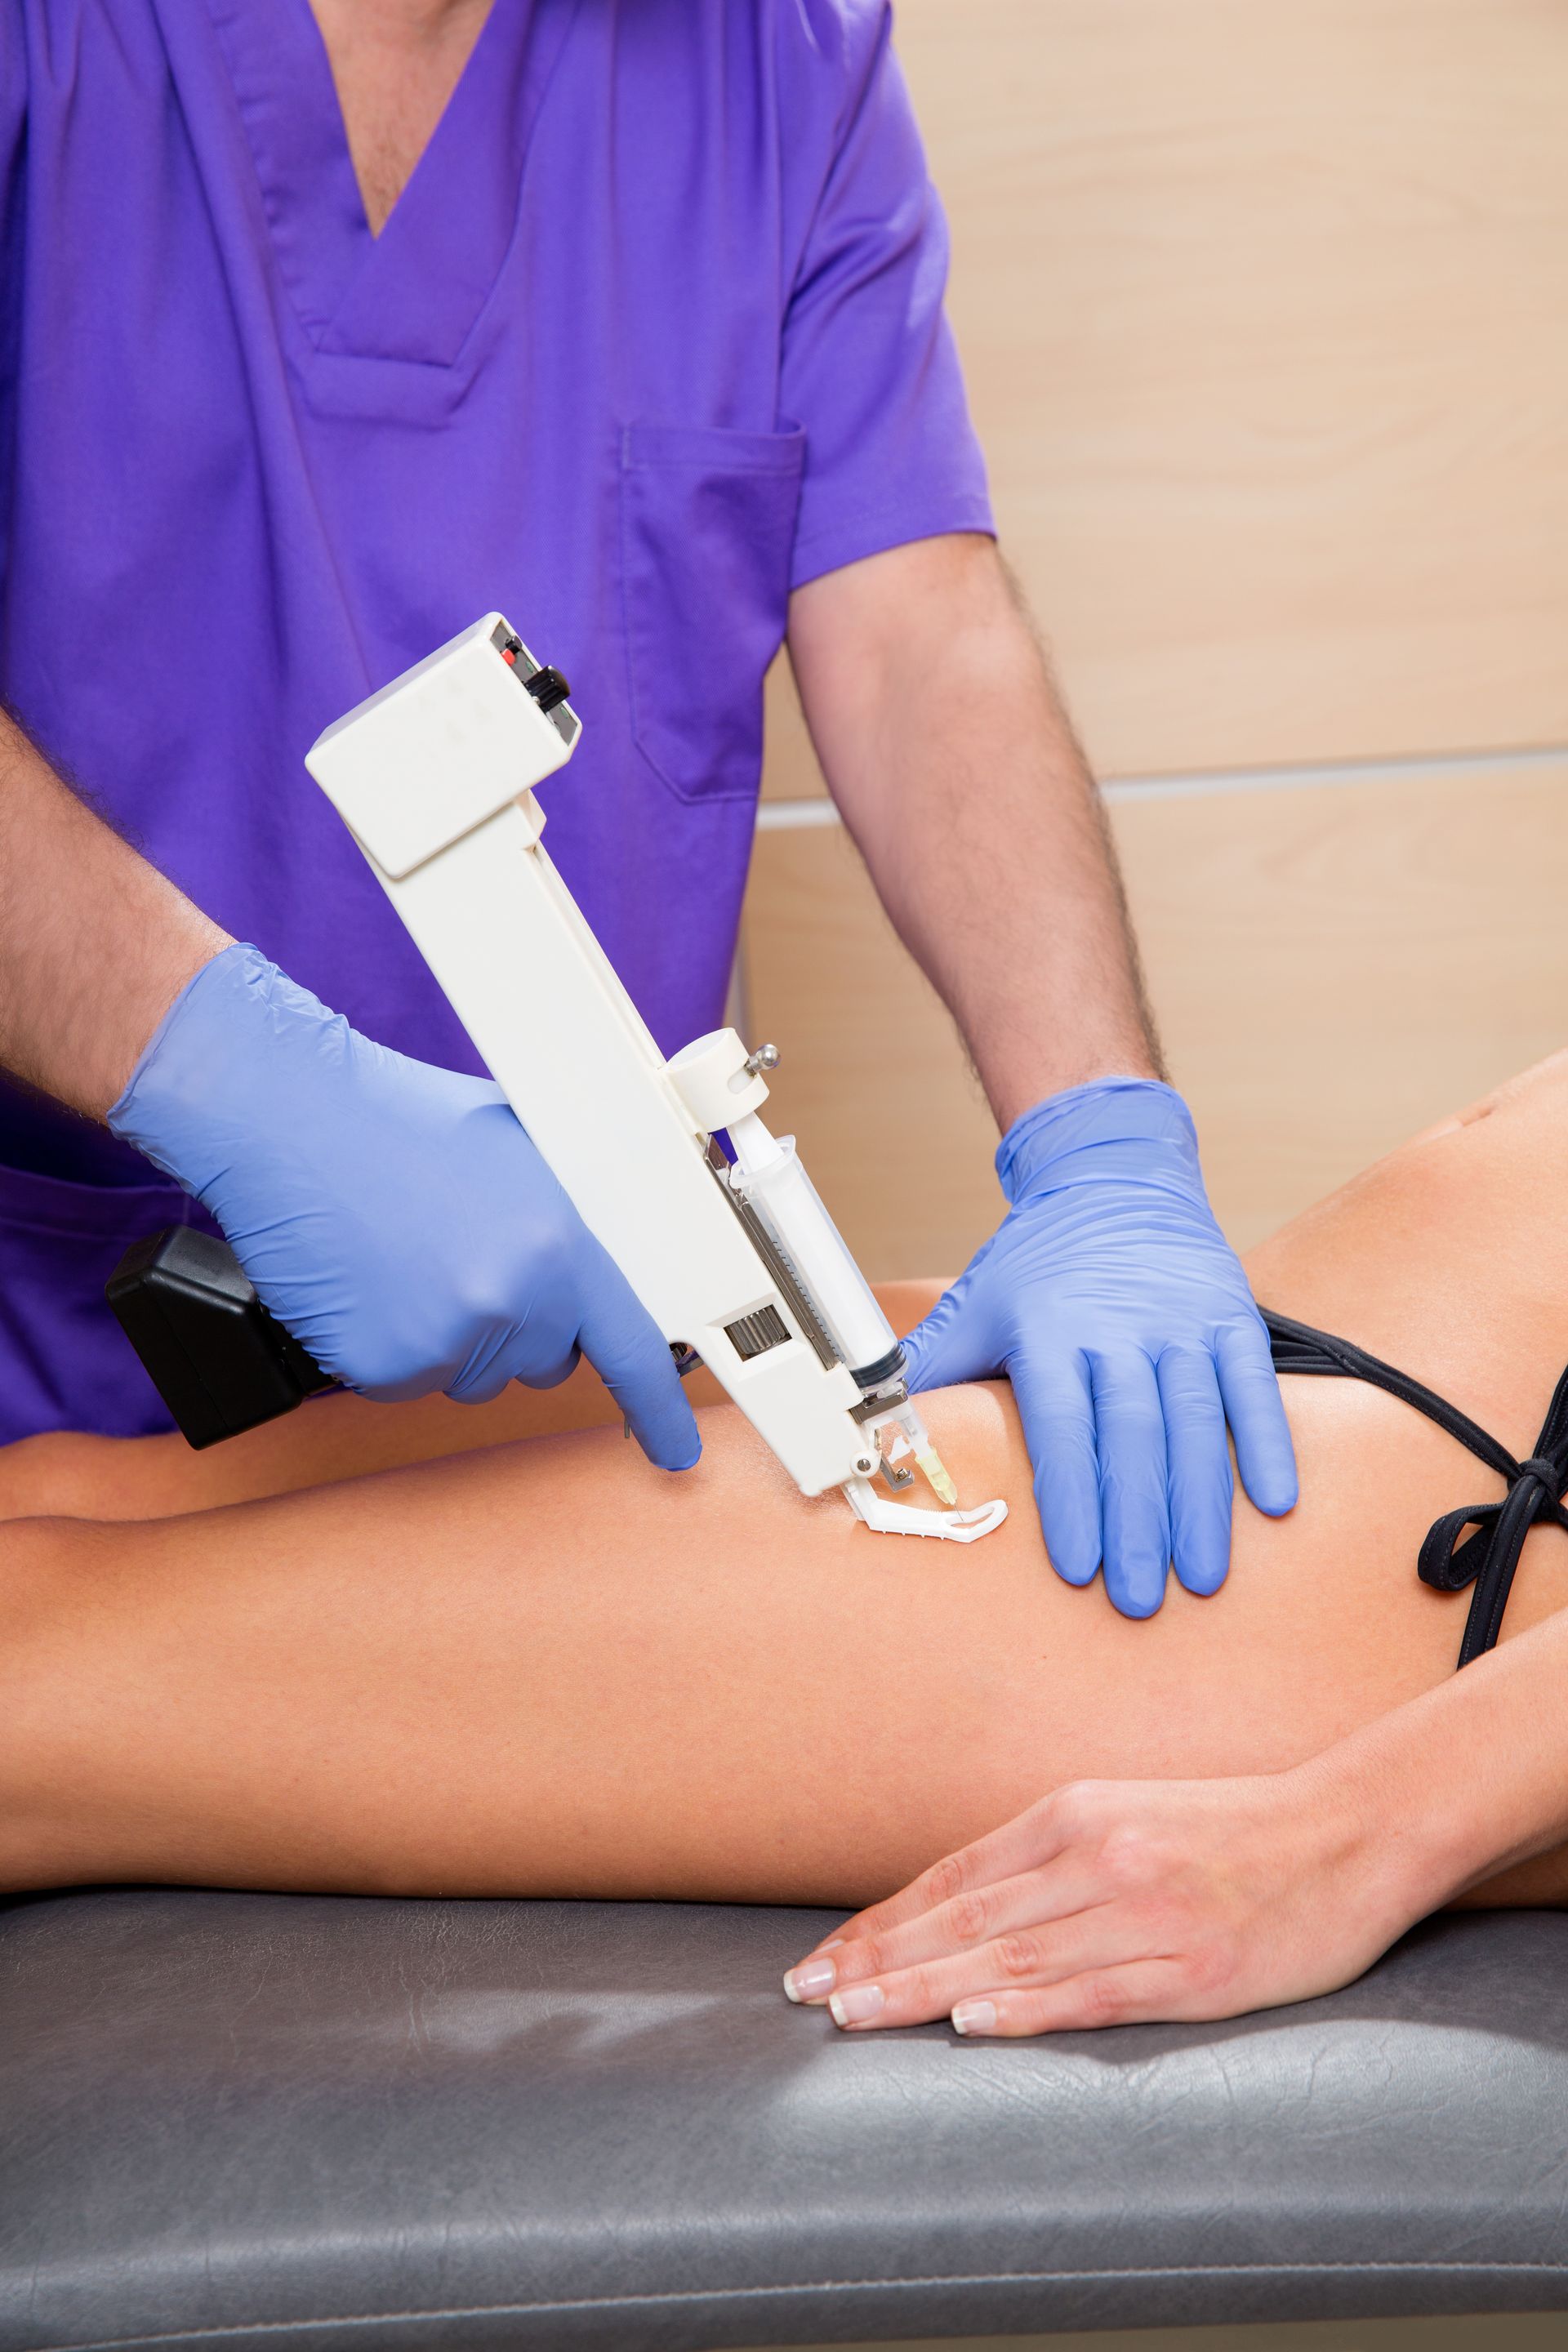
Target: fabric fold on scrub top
[654, 335]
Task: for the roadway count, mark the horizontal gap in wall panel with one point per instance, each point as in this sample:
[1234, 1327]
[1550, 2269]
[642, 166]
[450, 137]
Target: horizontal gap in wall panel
[797, 816]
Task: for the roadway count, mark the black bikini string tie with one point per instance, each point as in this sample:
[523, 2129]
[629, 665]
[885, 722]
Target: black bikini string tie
[1488, 1556]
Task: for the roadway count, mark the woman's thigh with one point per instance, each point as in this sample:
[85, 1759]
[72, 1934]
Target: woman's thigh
[549, 1668]
[333, 1437]
[552, 1669]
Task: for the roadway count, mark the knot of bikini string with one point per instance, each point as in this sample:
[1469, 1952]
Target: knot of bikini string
[1450, 1558]
[1535, 1490]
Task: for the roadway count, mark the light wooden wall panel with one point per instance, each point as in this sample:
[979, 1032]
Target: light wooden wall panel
[1333, 969]
[1263, 305]
[790, 770]
[892, 1126]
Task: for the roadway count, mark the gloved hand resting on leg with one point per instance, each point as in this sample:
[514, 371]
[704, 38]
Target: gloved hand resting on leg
[395, 1217]
[1115, 1304]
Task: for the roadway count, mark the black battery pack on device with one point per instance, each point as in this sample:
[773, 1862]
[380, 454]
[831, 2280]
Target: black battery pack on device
[221, 1363]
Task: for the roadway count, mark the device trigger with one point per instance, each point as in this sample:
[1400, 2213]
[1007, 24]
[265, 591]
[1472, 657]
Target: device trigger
[902, 1519]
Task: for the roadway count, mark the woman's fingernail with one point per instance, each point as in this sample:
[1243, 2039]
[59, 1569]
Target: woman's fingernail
[832, 1944]
[857, 2005]
[975, 2017]
[811, 1980]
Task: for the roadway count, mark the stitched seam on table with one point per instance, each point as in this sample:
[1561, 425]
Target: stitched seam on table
[610, 2302]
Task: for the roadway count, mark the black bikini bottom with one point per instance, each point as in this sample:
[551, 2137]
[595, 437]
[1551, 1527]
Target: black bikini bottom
[1490, 1555]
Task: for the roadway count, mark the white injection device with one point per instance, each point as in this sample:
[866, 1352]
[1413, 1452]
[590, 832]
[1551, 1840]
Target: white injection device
[735, 1258]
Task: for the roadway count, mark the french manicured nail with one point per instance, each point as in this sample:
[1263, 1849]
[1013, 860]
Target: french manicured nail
[857, 2005]
[975, 2017]
[811, 1980]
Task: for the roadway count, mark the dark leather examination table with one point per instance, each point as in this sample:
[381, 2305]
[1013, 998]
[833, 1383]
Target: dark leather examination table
[282, 2121]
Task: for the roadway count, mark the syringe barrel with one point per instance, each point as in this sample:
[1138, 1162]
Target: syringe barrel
[789, 1204]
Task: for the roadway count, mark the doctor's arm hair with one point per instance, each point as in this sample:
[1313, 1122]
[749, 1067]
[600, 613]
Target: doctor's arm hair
[95, 943]
[949, 753]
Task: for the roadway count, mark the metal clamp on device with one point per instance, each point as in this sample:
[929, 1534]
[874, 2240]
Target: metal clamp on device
[732, 1252]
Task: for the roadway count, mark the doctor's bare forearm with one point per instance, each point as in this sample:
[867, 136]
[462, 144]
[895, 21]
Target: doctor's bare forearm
[953, 760]
[94, 943]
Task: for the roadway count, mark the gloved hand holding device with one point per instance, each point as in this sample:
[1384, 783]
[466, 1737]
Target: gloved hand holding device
[395, 1217]
[1112, 1300]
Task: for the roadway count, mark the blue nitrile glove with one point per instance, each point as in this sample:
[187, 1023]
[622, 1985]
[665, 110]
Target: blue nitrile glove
[1117, 1308]
[395, 1217]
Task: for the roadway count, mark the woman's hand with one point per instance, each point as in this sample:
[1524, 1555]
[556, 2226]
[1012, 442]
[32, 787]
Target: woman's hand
[1116, 1902]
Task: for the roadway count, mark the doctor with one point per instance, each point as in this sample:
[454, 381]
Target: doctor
[325, 324]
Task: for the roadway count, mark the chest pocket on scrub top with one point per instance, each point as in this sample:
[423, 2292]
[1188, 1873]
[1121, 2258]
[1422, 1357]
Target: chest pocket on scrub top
[708, 522]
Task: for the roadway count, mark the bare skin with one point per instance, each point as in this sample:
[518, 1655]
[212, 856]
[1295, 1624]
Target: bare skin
[74, 1023]
[1122, 1900]
[545, 1668]
[395, 65]
[975, 812]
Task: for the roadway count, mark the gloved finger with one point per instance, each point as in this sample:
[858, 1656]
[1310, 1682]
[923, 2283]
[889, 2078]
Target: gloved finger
[481, 1383]
[1265, 1454]
[533, 1341]
[1200, 1489]
[1057, 1410]
[631, 1356]
[954, 1343]
[1134, 1505]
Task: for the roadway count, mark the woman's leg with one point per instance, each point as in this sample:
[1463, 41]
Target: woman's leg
[548, 1668]
[333, 1437]
[330, 1437]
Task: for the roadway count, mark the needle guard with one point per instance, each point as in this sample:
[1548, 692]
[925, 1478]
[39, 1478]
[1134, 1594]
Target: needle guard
[887, 1519]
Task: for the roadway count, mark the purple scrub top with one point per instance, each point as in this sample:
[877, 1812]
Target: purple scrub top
[654, 335]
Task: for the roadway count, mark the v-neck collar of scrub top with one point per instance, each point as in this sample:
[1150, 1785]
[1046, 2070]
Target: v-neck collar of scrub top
[415, 291]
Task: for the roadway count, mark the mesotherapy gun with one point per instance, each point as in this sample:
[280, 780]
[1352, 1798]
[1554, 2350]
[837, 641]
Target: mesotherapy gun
[731, 1251]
